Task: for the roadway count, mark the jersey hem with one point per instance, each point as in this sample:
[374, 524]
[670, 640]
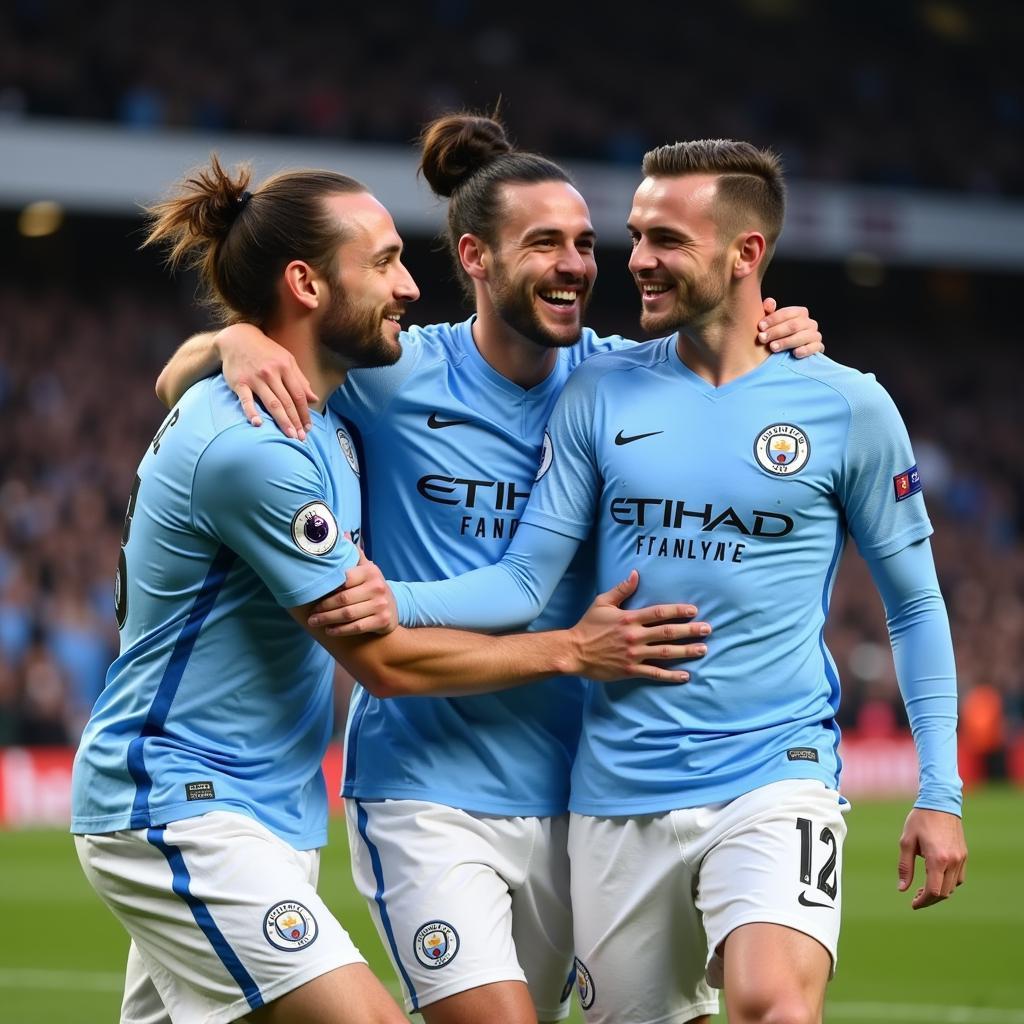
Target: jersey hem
[499, 808]
[677, 801]
[321, 587]
[101, 824]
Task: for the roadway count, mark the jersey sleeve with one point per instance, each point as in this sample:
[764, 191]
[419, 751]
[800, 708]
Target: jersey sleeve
[368, 392]
[265, 498]
[507, 595]
[923, 653]
[881, 487]
[565, 495]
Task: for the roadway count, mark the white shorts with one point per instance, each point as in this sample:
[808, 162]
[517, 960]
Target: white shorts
[224, 916]
[655, 896]
[462, 900]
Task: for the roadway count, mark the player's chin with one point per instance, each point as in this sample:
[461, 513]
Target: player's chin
[659, 323]
[561, 330]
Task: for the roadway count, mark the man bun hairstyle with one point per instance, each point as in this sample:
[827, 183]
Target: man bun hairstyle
[751, 185]
[466, 158]
[241, 241]
[456, 146]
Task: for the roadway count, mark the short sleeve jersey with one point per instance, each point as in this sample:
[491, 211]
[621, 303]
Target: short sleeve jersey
[219, 700]
[451, 449]
[739, 499]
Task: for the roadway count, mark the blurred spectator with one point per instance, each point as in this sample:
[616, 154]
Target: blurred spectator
[983, 729]
[931, 96]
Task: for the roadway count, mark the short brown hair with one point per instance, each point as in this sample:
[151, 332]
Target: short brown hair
[750, 181]
[241, 241]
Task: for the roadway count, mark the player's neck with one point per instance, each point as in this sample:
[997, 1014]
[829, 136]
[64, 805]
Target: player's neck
[724, 346]
[505, 350]
[324, 371]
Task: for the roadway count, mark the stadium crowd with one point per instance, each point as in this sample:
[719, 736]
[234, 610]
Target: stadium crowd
[76, 376]
[919, 76]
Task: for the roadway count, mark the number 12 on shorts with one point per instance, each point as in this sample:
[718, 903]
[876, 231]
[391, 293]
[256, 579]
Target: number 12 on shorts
[828, 877]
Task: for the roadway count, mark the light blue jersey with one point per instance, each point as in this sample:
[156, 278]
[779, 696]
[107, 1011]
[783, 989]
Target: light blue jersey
[219, 700]
[739, 499]
[451, 452]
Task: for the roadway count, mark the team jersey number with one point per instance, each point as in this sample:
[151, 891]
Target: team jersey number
[121, 579]
[828, 877]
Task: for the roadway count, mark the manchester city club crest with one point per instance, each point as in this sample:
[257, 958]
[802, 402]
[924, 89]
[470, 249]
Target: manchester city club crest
[436, 944]
[782, 449]
[348, 449]
[314, 528]
[584, 985]
[289, 926]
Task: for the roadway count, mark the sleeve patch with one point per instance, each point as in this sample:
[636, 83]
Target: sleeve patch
[907, 483]
[314, 528]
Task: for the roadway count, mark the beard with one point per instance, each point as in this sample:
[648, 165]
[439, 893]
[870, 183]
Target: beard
[353, 332]
[695, 300]
[513, 302]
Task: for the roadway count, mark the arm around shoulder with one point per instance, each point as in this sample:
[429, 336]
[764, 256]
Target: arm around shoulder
[192, 361]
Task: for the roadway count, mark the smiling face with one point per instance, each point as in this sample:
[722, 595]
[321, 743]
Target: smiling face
[371, 288]
[679, 259]
[543, 267]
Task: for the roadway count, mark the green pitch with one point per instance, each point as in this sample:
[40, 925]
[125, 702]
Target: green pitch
[61, 952]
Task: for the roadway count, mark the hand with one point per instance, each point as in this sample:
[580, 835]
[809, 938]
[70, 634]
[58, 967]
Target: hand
[789, 328]
[253, 364]
[364, 605]
[612, 643]
[938, 837]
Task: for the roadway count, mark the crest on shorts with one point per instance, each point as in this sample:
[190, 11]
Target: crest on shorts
[782, 449]
[584, 985]
[436, 944]
[348, 449]
[289, 926]
[314, 528]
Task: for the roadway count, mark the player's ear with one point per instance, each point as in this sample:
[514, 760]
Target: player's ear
[749, 253]
[302, 284]
[474, 256]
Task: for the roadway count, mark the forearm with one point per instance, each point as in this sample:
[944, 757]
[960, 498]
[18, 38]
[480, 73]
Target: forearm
[195, 359]
[923, 654]
[507, 595]
[450, 663]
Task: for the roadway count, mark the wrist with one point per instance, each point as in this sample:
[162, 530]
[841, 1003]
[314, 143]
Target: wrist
[567, 650]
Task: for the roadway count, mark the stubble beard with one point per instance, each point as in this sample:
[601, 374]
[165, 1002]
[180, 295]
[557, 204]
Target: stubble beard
[514, 305]
[354, 333]
[695, 302]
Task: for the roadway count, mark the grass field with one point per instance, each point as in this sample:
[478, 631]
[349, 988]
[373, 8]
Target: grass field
[61, 952]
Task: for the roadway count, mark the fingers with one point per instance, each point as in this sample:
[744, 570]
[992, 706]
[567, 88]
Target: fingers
[252, 413]
[272, 392]
[674, 652]
[770, 305]
[790, 328]
[905, 868]
[620, 592]
[365, 618]
[659, 675]
[663, 613]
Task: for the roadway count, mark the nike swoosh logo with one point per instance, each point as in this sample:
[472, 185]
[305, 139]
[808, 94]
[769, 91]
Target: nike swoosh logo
[805, 902]
[621, 438]
[435, 424]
